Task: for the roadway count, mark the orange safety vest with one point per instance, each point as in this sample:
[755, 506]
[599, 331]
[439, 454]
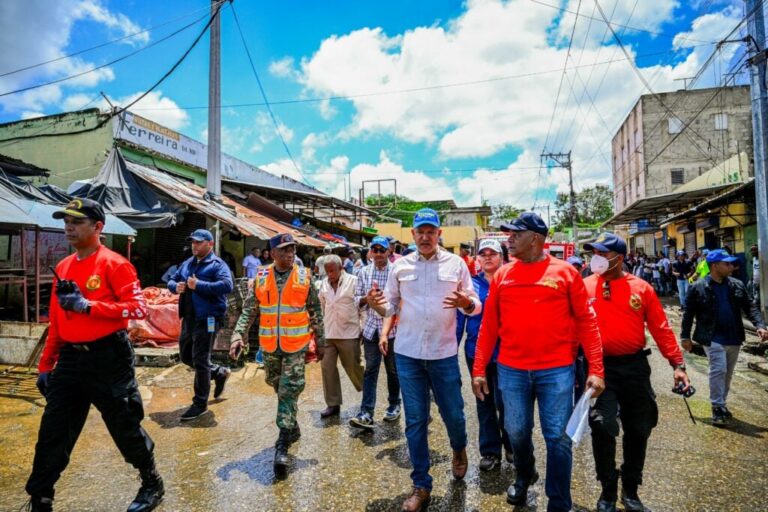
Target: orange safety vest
[283, 316]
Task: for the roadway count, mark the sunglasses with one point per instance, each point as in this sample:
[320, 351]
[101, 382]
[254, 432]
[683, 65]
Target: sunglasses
[378, 250]
[607, 290]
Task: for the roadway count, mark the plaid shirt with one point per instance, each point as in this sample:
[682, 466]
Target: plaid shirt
[365, 279]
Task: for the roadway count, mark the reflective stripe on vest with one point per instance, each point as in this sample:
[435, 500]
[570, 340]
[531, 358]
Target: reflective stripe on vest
[283, 315]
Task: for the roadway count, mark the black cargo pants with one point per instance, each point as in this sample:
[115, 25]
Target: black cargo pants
[102, 375]
[628, 394]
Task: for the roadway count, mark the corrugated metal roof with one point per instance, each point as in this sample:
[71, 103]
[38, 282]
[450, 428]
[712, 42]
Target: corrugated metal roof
[245, 220]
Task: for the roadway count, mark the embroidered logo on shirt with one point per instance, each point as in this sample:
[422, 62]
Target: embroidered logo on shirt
[551, 283]
[635, 302]
[93, 283]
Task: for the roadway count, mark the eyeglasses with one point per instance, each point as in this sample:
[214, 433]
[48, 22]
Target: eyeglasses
[607, 290]
[379, 250]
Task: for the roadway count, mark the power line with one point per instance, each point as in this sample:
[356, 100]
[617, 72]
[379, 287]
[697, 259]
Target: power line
[106, 43]
[407, 90]
[110, 63]
[118, 111]
[623, 26]
[266, 101]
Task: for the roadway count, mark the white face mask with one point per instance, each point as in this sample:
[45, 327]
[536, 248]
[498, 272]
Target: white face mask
[598, 264]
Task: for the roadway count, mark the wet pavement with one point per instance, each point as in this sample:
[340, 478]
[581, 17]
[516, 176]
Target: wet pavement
[223, 461]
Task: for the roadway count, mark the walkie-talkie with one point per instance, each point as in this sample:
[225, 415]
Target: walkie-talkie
[63, 286]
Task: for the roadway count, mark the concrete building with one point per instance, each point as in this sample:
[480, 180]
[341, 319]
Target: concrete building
[652, 154]
[663, 150]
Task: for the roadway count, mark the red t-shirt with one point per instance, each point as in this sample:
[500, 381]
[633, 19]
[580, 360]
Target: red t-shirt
[471, 264]
[540, 312]
[110, 284]
[622, 318]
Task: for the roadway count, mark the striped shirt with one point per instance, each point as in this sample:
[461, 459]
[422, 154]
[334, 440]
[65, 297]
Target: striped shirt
[365, 279]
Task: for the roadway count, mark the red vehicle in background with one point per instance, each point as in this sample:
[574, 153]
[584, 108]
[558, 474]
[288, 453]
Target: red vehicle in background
[560, 250]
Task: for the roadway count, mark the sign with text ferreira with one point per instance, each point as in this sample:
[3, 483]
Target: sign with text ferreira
[143, 132]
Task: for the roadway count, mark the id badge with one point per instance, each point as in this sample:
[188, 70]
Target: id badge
[211, 324]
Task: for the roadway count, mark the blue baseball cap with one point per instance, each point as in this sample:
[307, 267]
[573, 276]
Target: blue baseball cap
[379, 240]
[718, 255]
[426, 216]
[199, 235]
[527, 221]
[281, 240]
[575, 260]
[606, 242]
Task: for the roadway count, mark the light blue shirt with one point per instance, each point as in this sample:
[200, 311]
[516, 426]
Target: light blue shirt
[251, 263]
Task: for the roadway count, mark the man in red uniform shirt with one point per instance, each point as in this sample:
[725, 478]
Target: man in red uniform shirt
[538, 307]
[88, 359]
[465, 253]
[625, 305]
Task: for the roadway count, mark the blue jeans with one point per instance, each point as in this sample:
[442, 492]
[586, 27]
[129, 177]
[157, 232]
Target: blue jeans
[682, 290]
[490, 415]
[553, 388]
[373, 359]
[417, 377]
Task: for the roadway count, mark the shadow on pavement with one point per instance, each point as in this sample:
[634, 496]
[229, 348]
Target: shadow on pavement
[172, 419]
[259, 467]
[738, 426]
[382, 433]
[399, 457]
[496, 482]
[454, 499]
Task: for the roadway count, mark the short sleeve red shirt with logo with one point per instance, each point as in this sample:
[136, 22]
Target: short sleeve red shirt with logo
[110, 284]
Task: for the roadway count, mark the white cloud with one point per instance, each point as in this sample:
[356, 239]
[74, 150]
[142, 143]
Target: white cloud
[31, 115]
[283, 67]
[158, 108]
[493, 39]
[37, 31]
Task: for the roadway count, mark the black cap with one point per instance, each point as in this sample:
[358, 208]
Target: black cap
[281, 240]
[82, 209]
[527, 221]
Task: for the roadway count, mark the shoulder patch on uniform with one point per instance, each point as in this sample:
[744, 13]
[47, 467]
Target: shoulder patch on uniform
[550, 283]
[635, 301]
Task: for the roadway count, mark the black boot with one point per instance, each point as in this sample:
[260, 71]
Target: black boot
[609, 495]
[151, 491]
[40, 504]
[294, 434]
[630, 499]
[280, 465]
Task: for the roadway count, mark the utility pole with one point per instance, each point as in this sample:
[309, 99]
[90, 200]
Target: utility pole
[564, 160]
[213, 175]
[757, 61]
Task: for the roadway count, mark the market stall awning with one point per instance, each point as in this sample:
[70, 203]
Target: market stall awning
[658, 207]
[712, 202]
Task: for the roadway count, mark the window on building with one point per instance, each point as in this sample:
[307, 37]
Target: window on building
[678, 176]
[637, 139]
[721, 121]
[675, 125]
[457, 222]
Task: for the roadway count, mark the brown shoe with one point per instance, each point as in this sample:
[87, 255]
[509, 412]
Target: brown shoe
[418, 499]
[459, 464]
[331, 410]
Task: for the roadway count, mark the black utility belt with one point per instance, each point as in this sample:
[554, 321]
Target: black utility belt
[99, 344]
[627, 358]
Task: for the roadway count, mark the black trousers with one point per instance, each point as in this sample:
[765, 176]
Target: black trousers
[195, 346]
[628, 395]
[104, 377]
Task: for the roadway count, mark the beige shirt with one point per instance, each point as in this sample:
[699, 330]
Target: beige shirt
[341, 316]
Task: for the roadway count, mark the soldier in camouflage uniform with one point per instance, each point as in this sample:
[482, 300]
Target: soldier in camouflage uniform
[289, 314]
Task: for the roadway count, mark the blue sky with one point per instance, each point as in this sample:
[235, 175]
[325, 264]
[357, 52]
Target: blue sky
[474, 133]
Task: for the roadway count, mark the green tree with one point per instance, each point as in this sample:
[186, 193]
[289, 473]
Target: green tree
[404, 208]
[594, 205]
[504, 212]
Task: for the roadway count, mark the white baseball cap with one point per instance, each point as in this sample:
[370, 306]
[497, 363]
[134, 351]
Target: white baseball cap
[489, 243]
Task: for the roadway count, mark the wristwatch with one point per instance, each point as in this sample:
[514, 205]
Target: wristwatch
[680, 366]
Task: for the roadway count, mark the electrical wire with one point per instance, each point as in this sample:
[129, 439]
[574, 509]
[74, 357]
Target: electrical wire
[266, 101]
[102, 66]
[106, 43]
[121, 110]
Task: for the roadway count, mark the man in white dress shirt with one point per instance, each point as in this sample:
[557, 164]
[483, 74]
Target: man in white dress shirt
[424, 289]
[342, 333]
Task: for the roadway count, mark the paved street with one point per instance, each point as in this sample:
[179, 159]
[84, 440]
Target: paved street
[223, 462]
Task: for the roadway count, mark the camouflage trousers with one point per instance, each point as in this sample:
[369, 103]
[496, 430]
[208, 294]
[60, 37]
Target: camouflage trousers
[285, 373]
